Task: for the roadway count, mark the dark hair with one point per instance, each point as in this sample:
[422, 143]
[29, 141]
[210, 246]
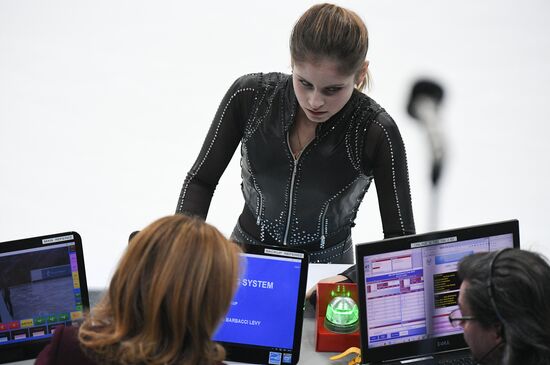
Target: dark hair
[330, 31]
[521, 292]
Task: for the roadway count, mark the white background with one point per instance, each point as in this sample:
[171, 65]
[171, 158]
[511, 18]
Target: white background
[104, 106]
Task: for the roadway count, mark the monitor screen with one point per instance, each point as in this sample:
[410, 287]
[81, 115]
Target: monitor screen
[266, 313]
[410, 293]
[42, 285]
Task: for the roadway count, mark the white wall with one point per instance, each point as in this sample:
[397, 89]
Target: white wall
[104, 105]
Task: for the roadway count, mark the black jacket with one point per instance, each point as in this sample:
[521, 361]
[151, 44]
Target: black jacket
[310, 202]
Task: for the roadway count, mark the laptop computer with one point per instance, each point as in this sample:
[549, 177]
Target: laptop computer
[408, 286]
[42, 285]
[264, 322]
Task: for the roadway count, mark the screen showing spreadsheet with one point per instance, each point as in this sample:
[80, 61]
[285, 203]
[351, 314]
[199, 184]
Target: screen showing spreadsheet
[410, 293]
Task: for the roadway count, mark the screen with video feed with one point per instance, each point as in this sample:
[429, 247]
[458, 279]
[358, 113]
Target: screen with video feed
[39, 290]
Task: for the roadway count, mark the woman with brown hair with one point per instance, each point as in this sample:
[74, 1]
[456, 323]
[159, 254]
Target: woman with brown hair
[164, 302]
[311, 144]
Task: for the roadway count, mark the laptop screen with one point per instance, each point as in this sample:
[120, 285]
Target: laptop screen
[42, 285]
[409, 285]
[264, 322]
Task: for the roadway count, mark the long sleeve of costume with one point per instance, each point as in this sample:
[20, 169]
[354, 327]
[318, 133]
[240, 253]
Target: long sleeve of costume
[384, 155]
[217, 150]
[384, 148]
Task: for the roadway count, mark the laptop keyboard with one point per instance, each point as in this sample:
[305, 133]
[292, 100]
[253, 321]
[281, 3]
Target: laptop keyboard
[458, 361]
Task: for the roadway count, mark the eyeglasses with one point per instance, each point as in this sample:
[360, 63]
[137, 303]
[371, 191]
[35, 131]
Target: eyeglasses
[457, 319]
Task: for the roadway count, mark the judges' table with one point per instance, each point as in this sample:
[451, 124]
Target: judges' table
[308, 356]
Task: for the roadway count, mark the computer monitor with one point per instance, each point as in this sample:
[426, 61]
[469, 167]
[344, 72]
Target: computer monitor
[42, 285]
[408, 286]
[264, 322]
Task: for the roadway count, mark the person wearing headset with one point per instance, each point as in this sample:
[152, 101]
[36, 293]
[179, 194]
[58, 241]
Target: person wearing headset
[504, 307]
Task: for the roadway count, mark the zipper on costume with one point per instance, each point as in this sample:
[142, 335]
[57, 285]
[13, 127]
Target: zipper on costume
[290, 201]
[291, 188]
[296, 159]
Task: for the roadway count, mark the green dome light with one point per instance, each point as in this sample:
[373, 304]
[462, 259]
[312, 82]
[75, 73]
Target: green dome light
[342, 315]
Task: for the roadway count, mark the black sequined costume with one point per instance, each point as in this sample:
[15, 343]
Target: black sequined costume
[310, 202]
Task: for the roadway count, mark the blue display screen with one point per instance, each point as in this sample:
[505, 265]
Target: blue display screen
[263, 311]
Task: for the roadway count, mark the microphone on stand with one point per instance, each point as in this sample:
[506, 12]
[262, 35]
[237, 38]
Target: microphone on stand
[423, 106]
[424, 102]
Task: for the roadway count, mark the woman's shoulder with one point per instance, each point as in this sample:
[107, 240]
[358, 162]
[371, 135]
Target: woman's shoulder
[64, 348]
[373, 113]
[261, 80]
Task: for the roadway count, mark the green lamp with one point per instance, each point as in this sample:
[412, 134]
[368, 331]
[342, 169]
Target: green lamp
[342, 315]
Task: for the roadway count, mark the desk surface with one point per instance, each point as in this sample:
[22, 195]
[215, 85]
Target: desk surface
[308, 356]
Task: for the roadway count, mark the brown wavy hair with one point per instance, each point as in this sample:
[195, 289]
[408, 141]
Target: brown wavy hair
[330, 31]
[172, 287]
